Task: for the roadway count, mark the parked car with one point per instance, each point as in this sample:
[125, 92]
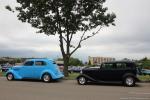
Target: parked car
[75, 69]
[145, 71]
[42, 69]
[118, 71]
[5, 67]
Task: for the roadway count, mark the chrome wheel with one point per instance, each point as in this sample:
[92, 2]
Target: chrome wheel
[129, 81]
[46, 78]
[82, 80]
[10, 77]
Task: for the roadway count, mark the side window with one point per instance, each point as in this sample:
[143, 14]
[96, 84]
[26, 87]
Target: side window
[121, 65]
[54, 62]
[29, 63]
[131, 65]
[40, 63]
[108, 66]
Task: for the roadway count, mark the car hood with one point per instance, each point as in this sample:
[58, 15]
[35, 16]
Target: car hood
[16, 67]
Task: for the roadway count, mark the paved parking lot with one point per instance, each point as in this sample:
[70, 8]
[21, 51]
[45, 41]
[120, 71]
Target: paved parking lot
[70, 90]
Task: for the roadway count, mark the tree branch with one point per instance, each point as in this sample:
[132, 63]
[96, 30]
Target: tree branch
[60, 33]
[64, 39]
[61, 43]
[83, 39]
[71, 37]
[79, 44]
[93, 34]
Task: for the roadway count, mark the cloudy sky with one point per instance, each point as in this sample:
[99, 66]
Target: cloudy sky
[130, 38]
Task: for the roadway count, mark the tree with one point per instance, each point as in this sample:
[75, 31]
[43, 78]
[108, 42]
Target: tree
[144, 59]
[66, 18]
[75, 62]
[145, 63]
[89, 63]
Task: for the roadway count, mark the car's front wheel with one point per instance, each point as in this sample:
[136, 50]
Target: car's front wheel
[129, 81]
[10, 76]
[82, 80]
[46, 77]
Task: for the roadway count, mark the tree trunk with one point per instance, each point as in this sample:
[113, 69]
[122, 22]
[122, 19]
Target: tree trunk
[66, 63]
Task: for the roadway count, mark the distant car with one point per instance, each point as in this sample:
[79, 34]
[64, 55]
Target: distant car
[42, 69]
[95, 67]
[118, 71]
[75, 69]
[5, 67]
[145, 71]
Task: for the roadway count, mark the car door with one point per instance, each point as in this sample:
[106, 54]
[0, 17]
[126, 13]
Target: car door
[106, 72]
[93, 73]
[26, 71]
[112, 71]
[39, 67]
[120, 69]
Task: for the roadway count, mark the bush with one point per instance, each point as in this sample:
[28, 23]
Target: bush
[144, 78]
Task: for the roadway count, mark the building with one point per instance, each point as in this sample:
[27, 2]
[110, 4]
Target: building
[100, 60]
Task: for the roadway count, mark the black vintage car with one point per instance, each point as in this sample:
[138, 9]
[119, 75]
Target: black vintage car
[118, 71]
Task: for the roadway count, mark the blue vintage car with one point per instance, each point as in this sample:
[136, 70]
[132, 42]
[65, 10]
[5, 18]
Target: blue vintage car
[42, 69]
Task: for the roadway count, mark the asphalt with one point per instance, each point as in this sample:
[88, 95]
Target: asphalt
[70, 90]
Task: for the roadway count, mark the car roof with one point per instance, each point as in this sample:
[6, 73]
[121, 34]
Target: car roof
[37, 59]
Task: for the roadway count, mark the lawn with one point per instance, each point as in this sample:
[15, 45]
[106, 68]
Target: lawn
[144, 78]
[2, 74]
[72, 76]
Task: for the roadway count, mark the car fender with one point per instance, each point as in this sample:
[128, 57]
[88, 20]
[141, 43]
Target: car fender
[87, 77]
[129, 74]
[49, 72]
[16, 75]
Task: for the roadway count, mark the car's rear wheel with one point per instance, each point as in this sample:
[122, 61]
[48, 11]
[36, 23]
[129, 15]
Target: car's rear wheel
[129, 81]
[10, 77]
[82, 80]
[46, 77]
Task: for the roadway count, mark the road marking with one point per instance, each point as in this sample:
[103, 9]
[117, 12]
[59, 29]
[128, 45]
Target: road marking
[142, 93]
[134, 98]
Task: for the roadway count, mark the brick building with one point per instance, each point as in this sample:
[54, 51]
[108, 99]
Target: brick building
[100, 60]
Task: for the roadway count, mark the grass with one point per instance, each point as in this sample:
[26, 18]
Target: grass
[144, 77]
[2, 74]
[72, 76]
